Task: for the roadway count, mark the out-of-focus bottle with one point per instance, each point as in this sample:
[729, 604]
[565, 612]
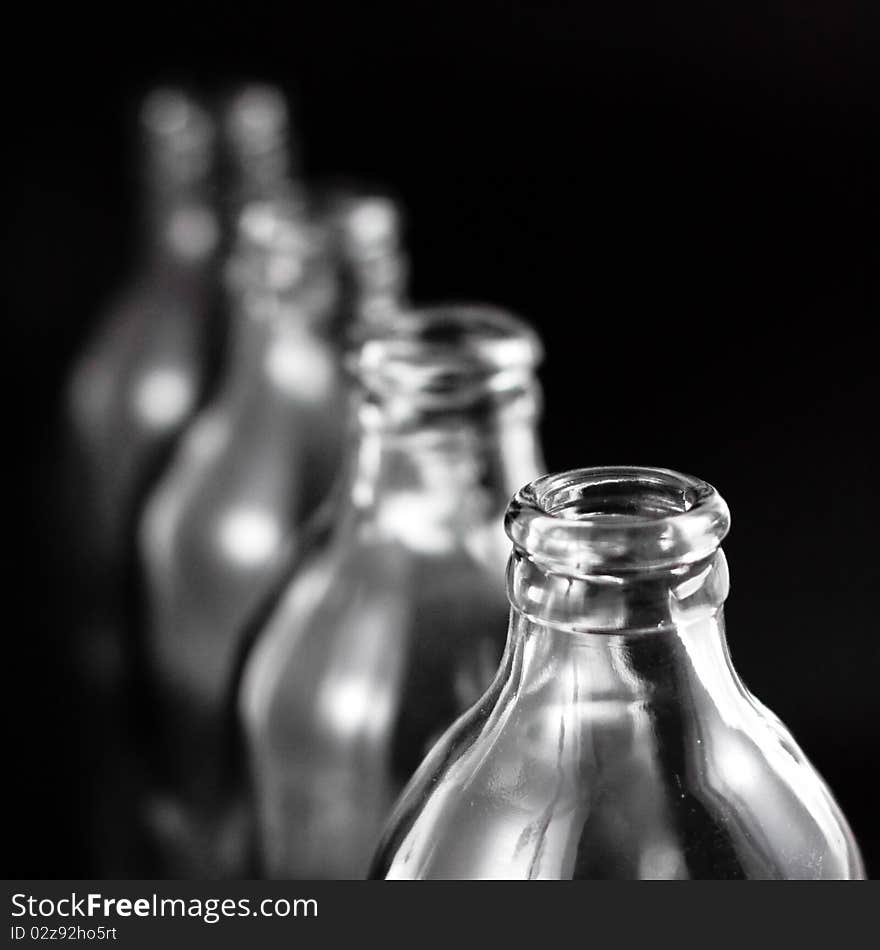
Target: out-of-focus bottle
[394, 623]
[255, 463]
[130, 393]
[617, 741]
[140, 377]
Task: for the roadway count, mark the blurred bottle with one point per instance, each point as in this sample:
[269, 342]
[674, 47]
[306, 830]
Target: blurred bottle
[130, 394]
[255, 463]
[140, 377]
[616, 740]
[367, 236]
[394, 623]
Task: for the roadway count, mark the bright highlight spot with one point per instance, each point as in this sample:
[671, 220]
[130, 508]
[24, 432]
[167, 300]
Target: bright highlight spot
[740, 767]
[163, 397]
[349, 704]
[371, 222]
[425, 523]
[661, 861]
[299, 367]
[249, 536]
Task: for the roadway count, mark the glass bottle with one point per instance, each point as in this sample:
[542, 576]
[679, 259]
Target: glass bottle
[252, 467]
[129, 395]
[617, 740]
[395, 620]
[140, 377]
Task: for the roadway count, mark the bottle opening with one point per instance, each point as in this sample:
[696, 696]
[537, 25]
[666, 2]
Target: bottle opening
[615, 520]
[630, 493]
[450, 354]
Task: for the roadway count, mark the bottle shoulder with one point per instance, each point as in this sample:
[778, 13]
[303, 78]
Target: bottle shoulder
[522, 789]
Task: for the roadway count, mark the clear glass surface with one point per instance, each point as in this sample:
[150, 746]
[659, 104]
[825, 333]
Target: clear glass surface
[617, 740]
[394, 621]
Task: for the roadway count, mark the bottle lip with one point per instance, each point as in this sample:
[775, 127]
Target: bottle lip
[611, 520]
[453, 350]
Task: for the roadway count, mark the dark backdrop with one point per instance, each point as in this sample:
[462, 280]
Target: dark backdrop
[683, 199]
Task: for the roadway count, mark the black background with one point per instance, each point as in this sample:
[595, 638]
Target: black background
[681, 197]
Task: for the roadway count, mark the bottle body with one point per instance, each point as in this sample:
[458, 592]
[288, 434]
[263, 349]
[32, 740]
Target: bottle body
[142, 375]
[373, 650]
[242, 480]
[130, 394]
[251, 468]
[390, 627]
[612, 748]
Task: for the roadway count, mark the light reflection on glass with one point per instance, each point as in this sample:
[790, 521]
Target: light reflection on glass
[300, 367]
[249, 536]
[164, 397]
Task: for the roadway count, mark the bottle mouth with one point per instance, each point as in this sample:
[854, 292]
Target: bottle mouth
[451, 353]
[616, 520]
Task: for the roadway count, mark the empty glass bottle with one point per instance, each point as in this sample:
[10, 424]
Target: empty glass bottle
[129, 395]
[617, 740]
[395, 620]
[139, 379]
[255, 463]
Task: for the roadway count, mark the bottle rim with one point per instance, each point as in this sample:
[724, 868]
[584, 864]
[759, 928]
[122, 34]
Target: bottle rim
[611, 520]
[453, 350]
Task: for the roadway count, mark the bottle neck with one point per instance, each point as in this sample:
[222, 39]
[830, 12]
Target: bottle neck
[439, 478]
[627, 603]
[656, 621]
[622, 647]
[373, 291]
[277, 345]
[180, 233]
